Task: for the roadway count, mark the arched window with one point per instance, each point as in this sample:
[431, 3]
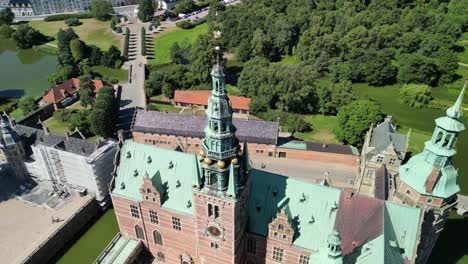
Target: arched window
[148, 190]
[210, 209]
[157, 238]
[280, 227]
[439, 137]
[139, 232]
[447, 140]
[216, 211]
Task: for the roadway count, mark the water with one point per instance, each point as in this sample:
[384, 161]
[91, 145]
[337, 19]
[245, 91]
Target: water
[23, 72]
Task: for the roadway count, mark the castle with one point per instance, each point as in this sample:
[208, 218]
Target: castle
[212, 207]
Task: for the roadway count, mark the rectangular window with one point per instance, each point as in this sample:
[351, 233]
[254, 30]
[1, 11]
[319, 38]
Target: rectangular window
[251, 246]
[370, 172]
[214, 245]
[196, 145]
[304, 260]
[153, 217]
[210, 209]
[176, 223]
[134, 210]
[278, 254]
[379, 159]
[216, 211]
[391, 161]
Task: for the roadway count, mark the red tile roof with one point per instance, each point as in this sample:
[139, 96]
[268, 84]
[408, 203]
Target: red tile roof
[359, 219]
[71, 86]
[200, 97]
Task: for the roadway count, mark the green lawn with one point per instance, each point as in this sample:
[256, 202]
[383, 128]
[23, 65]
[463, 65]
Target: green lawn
[93, 242]
[463, 56]
[165, 107]
[322, 129]
[163, 41]
[56, 126]
[91, 31]
[289, 60]
[110, 73]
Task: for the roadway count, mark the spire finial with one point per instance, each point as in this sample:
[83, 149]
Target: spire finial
[455, 110]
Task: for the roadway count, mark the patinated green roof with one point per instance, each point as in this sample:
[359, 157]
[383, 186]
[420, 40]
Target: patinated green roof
[119, 251]
[171, 172]
[416, 172]
[312, 207]
[450, 124]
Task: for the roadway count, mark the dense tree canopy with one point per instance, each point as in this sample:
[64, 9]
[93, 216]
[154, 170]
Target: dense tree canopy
[146, 10]
[378, 42]
[6, 16]
[25, 37]
[101, 9]
[5, 31]
[355, 119]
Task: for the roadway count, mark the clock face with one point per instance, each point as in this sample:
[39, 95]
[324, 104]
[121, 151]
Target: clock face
[214, 231]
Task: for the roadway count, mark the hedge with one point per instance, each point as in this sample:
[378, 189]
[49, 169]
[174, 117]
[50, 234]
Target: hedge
[143, 41]
[127, 40]
[65, 16]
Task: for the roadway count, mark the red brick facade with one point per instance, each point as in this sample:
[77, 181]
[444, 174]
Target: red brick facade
[216, 234]
[193, 145]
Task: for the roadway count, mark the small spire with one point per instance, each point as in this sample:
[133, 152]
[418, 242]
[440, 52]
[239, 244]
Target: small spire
[334, 244]
[455, 110]
[232, 188]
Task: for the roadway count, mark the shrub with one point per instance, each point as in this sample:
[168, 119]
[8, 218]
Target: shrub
[184, 24]
[415, 95]
[72, 21]
[60, 17]
[126, 42]
[118, 30]
[5, 31]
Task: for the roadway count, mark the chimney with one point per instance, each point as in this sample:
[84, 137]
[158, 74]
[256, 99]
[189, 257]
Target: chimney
[67, 134]
[324, 145]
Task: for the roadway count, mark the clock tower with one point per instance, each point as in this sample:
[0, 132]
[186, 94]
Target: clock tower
[221, 193]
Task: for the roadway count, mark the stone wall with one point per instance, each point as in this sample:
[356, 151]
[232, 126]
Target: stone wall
[32, 119]
[63, 236]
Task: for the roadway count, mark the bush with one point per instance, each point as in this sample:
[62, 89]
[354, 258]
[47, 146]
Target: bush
[27, 104]
[60, 17]
[126, 42]
[184, 24]
[152, 107]
[5, 31]
[118, 30]
[72, 21]
[288, 121]
[415, 95]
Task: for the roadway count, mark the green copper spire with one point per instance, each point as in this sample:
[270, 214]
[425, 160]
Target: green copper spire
[431, 172]
[455, 111]
[220, 146]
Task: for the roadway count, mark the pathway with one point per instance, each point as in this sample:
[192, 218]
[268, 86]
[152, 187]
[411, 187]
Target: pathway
[133, 92]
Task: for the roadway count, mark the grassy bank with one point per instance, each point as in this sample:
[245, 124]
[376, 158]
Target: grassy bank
[110, 73]
[322, 129]
[91, 31]
[93, 242]
[163, 41]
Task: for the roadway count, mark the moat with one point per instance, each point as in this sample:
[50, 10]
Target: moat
[23, 72]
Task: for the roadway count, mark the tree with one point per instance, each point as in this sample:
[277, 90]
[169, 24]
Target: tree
[78, 49]
[27, 104]
[184, 6]
[95, 55]
[378, 69]
[145, 10]
[64, 56]
[103, 115]
[72, 21]
[154, 84]
[112, 58]
[86, 92]
[5, 31]
[415, 95]
[417, 68]
[25, 37]
[80, 120]
[180, 53]
[101, 9]
[332, 97]
[355, 119]
[202, 57]
[6, 16]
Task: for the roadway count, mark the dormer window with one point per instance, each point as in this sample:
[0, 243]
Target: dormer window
[280, 227]
[380, 159]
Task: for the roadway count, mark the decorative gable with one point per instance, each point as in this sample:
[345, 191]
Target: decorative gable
[280, 229]
[149, 192]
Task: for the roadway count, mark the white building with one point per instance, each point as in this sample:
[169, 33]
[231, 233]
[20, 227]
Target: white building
[167, 4]
[69, 162]
[21, 8]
